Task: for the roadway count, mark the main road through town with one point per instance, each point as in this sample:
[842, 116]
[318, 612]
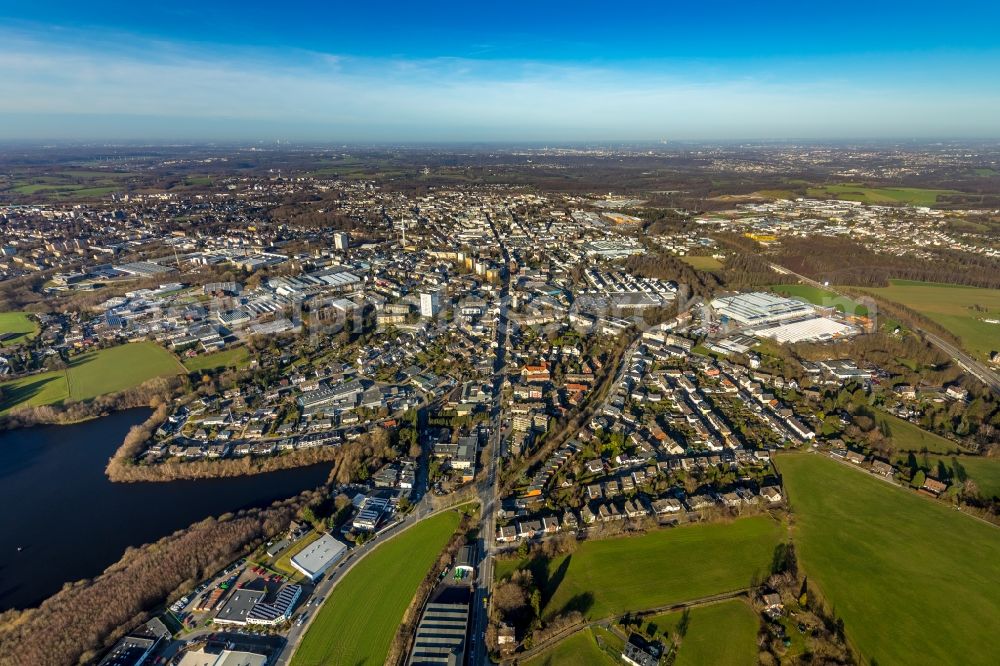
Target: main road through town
[487, 488]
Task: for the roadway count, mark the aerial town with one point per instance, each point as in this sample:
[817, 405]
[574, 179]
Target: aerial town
[520, 401]
[499, 334]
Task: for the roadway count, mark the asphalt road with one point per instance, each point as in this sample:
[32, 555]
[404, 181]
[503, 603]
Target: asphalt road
[421, 511]
[476, 652]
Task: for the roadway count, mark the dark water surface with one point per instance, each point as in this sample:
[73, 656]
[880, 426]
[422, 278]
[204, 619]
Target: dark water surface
[70, 522]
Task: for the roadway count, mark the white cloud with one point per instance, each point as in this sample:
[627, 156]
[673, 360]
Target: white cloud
[165, 89]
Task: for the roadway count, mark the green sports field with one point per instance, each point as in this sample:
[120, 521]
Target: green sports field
[237, 357]
[961, 310]
[18, 325]
[92, 374]
[879, 195]
[822, 297]
[914, 580]
[357, 622]
[612, 576]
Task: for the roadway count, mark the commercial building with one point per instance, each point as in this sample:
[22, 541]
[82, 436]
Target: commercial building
[760, 309]
[341, 241]
[816, 329]
[319, 556]
[440, 635]
[207, 657]
[240, 603]
[277, 610]
[137, 647]
[370, 513]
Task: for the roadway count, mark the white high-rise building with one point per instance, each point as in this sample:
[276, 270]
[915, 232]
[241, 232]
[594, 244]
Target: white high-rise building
[430, 303]
[341, 240]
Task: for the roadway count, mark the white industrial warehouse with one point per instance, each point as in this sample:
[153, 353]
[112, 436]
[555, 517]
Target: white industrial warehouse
[319, 556]
[760, 308]
[781, 319]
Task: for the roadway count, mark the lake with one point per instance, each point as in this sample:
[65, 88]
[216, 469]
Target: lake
[70, 522]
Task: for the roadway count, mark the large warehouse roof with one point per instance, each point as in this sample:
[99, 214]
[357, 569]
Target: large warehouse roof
[816, 328]
[760, 308]
[317, 557]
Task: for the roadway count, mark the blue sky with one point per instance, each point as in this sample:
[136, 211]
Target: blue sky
[513, 71]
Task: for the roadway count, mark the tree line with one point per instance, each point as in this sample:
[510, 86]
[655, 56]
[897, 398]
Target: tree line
[77, 623]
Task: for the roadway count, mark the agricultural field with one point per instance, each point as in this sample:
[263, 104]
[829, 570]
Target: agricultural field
[118, 368]
[358, 621]
[961, 310]
[702, 262]
[612, 576]
[908, 436]
[580, 649]
[915, 196]
[723, 634]
[92, 374]
[888, 559]
[48, 388]
[63, 184]
[18, 325]
[777, 194]
[237, 357]
[822, 297]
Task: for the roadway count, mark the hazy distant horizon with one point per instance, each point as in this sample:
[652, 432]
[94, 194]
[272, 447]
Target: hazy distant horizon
[643, 145]
[562, 72]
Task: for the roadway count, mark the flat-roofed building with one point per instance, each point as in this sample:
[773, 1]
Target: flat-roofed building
[440, 635]
[760, 308]
[239, 605]
[204, 657]
[320, 555]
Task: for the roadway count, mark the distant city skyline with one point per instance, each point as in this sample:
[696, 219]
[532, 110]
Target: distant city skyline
[564, 72]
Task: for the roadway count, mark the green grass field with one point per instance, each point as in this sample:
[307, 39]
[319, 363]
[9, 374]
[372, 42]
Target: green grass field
[955, 308]
[985, 472]
[63, 184]
[49, 388]
[879, 195]
[777, 194]
[580, 649]
[723, 634]
[822, 297]
[702, 262]
[92, 374]
[65, 190]
[117, 368]
[357, 622]
[908, 436]
[612, 576]
[17, 323]
[283, 563]
[237, 357]
[914, 581]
